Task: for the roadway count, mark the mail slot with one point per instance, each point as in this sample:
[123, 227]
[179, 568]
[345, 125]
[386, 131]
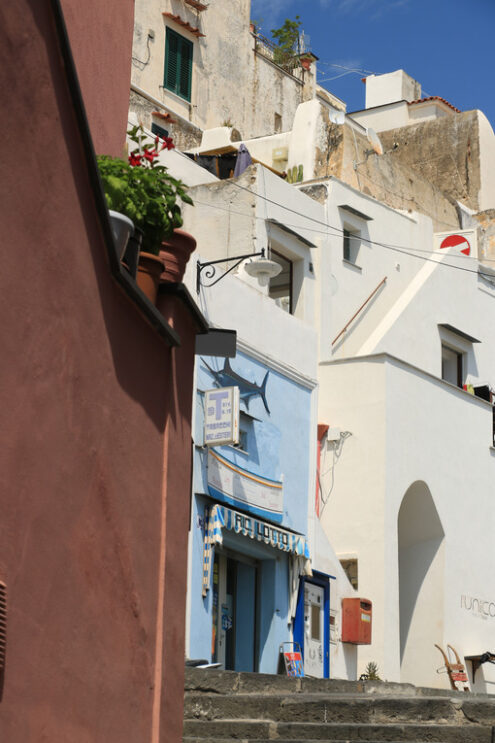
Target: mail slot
[356, 621]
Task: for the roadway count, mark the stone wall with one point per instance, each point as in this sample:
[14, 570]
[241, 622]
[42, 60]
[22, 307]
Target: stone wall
[345, 152]
[444, 152]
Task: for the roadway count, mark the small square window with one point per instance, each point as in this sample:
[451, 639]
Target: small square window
[281, 286]
[452, 366]
[245, 433]
[351, 245]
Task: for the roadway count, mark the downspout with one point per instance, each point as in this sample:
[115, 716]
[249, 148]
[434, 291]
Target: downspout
[322, 432]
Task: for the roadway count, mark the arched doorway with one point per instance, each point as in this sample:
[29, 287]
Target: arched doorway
[421, 585]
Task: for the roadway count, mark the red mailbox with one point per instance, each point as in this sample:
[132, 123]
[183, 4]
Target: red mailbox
[356, 621]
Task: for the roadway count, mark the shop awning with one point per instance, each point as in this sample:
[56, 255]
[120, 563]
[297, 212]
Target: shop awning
[221, 517]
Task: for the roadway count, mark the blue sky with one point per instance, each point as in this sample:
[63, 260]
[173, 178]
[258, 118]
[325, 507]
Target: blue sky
[447, 45]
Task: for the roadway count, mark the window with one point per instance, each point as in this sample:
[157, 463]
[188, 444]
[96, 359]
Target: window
[245, 433]
[159, 130]
[352, 243]
[280, 288]
[178, 64]
[452, 366]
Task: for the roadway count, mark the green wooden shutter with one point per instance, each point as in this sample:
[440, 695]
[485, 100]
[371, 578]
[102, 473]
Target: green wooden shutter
[178, 64]
[171, 60]
[185, 72]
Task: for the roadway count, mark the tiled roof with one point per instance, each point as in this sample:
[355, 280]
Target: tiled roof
[192, 29]
[164, 116]
[435, 98]
[196, 4]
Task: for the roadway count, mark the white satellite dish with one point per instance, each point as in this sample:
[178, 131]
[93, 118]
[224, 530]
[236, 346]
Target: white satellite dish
[337, 117]
[374, 141]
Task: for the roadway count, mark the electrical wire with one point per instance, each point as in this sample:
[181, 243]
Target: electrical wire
[338, 232]
[400, 248]
[141, 63]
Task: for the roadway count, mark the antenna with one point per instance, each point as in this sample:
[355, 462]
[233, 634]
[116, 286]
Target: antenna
[337, 117]
[374, 141]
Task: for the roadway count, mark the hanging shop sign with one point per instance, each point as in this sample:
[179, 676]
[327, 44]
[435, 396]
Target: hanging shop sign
[236, 486]
[222, 416]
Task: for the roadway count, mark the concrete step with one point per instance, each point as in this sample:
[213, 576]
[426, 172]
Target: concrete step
[337, 708]
[252, 730]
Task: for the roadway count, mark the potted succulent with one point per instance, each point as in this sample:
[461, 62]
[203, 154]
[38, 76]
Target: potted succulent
[143, 191]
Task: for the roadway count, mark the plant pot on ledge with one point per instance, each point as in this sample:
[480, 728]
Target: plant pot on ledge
[150, 269]
[175, 252]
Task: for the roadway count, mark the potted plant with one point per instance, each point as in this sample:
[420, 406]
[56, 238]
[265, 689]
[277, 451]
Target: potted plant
[143, 191]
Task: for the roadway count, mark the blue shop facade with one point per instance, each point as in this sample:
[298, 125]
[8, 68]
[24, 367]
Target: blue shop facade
[249, 553]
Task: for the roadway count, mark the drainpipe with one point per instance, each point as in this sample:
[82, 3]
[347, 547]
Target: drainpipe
[322, 432]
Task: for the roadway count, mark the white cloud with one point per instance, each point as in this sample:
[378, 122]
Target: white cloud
[374, 8]
[272, 14]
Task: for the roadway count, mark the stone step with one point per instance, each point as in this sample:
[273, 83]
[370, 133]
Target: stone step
[211, 680]
[287, 740]
[335, 708]
[256, 730]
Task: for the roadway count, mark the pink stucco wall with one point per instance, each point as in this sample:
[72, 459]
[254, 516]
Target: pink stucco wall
[95, 455]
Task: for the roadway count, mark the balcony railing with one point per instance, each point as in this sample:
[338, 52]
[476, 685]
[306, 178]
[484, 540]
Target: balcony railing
[287, 62]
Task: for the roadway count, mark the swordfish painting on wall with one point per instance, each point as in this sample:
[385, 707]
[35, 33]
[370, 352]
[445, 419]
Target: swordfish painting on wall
[247, 474]
[247, 390]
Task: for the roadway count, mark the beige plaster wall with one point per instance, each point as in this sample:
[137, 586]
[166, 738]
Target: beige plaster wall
[231, 82]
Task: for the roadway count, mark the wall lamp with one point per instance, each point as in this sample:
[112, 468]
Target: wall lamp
[261, 269]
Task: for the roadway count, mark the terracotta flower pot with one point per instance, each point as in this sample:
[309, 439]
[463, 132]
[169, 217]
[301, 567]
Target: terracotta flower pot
[176, 251]
[148, 276]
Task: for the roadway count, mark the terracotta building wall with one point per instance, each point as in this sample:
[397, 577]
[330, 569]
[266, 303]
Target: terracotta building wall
[87, 392]
[100, 34]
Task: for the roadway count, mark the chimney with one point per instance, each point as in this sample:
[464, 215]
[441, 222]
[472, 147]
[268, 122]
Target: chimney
[390, 88]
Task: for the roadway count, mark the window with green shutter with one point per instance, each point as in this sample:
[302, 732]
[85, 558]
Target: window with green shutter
[178, 64]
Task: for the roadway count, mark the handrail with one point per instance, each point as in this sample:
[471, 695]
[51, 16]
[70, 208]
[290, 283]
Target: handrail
[359, 310]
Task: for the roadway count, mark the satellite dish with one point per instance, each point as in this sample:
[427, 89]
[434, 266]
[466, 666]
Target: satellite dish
[337, 117]
[374, 141]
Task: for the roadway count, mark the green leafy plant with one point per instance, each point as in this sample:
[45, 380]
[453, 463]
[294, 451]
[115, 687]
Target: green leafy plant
[286, 39]
[371, 671]
[143, 190]
[256, 25]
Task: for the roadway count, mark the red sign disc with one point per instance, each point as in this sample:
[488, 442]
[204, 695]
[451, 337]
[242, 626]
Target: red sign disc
[456, 241]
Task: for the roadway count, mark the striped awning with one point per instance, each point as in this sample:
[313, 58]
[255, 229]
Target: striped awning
[220, 517]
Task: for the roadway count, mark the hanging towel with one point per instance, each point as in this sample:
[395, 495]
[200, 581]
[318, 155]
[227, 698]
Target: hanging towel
[243, 160]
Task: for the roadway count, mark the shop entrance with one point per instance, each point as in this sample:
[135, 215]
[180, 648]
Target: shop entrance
[234, 621]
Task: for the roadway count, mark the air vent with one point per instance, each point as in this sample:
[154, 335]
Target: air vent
[3, 624]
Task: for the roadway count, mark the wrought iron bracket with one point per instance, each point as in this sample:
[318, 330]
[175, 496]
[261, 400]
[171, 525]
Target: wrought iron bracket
[211, 269]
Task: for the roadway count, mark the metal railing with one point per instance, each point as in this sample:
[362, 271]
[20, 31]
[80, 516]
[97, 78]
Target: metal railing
[287, 62]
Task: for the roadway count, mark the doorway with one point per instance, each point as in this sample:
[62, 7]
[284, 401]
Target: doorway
[234, 617]
[313, 629]
[312, 624]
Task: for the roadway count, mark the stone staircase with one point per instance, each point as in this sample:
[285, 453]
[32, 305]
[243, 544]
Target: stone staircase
[228, 707]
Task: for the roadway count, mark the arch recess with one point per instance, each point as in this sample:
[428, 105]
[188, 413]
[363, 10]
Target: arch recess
[421, 584]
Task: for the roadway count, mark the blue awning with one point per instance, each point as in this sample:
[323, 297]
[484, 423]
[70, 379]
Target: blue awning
[221, 517]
